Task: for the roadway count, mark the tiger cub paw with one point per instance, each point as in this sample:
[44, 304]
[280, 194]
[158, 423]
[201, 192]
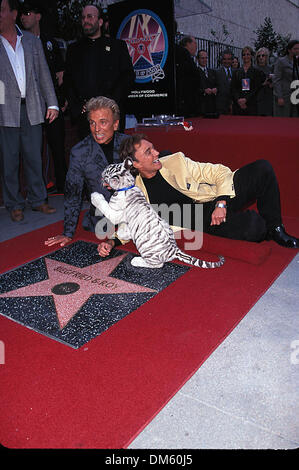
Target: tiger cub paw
[96, 199]
[141, 263]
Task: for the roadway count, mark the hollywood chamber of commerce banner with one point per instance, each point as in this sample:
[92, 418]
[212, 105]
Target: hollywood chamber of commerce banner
[149, 35]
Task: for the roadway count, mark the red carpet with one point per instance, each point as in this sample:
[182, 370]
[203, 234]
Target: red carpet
[103, 394]
[235, 141]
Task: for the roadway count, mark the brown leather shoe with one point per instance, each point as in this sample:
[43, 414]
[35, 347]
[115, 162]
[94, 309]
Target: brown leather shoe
[45, 209]
[17, 215]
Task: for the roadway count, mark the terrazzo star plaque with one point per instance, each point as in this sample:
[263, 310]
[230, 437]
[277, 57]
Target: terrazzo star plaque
[73, 295]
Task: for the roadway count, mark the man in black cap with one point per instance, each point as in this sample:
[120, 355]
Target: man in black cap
[31, 15]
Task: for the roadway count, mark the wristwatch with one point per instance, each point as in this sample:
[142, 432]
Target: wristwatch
[221, 204]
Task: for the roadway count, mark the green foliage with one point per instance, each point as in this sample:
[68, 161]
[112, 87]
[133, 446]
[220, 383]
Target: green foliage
[282, 42]
[267, 37]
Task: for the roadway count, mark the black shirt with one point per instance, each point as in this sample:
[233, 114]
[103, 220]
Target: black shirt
[91, 66]
[108, 150]
[161, 192]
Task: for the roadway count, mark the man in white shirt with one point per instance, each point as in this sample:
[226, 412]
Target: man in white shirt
[27, 86]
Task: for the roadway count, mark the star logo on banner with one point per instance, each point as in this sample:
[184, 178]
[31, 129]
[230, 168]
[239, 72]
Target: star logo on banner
[71, 287]
[140, 45]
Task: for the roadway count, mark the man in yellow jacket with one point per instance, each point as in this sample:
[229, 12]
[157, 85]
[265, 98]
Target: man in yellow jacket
[223, 193]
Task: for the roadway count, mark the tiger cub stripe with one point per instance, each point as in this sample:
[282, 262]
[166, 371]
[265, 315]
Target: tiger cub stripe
[152, 235]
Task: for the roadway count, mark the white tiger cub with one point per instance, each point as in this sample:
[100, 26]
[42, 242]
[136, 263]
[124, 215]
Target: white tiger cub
[153, 237]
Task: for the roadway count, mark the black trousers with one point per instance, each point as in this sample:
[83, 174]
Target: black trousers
[255, 182]
[55, 133]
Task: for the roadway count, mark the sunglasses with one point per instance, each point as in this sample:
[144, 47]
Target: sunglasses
[28, 13]
[262, 55]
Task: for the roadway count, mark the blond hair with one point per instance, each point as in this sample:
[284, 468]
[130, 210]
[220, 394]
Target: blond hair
[100, 102]
[263, 50]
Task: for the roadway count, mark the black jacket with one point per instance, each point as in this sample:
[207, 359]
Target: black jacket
[55, 63]
[87, 161]
[100, 67]
[257, 77]
[223, 97]
[207, 102]
[187, 83]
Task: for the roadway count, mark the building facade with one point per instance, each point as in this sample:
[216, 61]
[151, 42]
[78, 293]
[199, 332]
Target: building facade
[240, 18]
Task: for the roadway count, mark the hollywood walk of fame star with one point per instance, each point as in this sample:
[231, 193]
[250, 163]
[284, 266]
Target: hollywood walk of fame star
[71, 287]
[141, 45]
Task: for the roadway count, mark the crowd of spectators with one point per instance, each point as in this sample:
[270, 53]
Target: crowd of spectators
[253, 87]
[99, 65]
[42, 85]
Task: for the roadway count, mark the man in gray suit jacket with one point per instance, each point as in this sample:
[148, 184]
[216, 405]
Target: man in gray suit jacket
[27, 87]
[224, 75]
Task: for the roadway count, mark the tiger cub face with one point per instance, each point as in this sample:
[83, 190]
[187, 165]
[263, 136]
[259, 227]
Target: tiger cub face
[118, 175]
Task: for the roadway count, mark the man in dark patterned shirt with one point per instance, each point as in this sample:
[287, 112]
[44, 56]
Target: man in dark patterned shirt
[87, 161]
